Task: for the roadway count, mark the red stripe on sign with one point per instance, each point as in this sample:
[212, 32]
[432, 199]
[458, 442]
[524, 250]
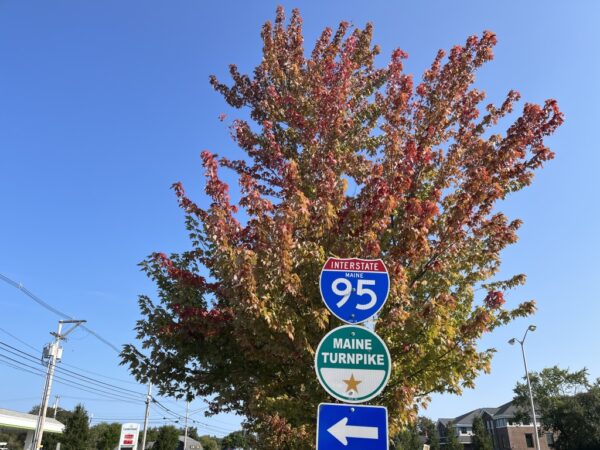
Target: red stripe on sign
[355, 265]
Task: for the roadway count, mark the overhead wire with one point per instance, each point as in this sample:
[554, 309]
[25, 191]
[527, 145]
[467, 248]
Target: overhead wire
[67, 377]
[57, 312]
[16, 338]
[175, 417]
[17, 352]
[76, 380]
[69, 382]
[120, 380]
[62, 382]
[63, 315]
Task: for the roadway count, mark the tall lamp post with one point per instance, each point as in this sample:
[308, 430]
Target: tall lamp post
[522, 342]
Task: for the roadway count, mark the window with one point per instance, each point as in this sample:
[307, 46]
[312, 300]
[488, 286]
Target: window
[529, 440]
[463, 430]
[550, 438]
[500, 423]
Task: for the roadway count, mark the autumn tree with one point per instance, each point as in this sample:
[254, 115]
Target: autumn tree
[341, 157]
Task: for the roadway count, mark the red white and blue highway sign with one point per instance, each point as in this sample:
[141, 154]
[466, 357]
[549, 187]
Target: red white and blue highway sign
[354, 289]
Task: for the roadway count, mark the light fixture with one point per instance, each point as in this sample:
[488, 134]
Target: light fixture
[522, 344]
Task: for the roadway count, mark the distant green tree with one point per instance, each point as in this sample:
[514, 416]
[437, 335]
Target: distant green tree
[408, 439]
[481, 438]
[14, 440]
[576, 420]
[423, 431]
[237, 439]
[569, 404]
[452, 442]
[76, 435]
[167, 439]
[105, 436]
[151, 435]
[209, 443]
[428, 429]
[193, 433]
[50, 440]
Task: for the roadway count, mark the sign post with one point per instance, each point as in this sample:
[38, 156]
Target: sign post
[352, 363]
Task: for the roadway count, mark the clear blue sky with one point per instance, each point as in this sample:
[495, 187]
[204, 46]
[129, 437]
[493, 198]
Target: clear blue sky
[104, 104]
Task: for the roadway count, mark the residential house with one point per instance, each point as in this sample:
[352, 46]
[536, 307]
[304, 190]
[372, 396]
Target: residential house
[506, 431]
[191, 444]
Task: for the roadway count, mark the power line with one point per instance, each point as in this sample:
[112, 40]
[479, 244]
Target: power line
[120, 380]
[176, 418]
[70, 382]
[41, 374]
[80, 381]
[112, 397]
[52, 309]
[20, 353]
[203, 424]
[20, 340]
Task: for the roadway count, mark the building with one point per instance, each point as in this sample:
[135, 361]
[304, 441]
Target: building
[507, 433]
[462, 426]
[14, 420]
[192, 444]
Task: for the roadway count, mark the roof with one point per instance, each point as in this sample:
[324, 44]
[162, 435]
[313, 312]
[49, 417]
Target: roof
[467, 418]
[506, 410]
[23, 421]
[192, 444]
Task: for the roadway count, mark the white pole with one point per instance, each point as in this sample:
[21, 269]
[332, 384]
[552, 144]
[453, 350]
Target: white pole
[535, 429]
[39, 430]
[148, 398]
[56, 399]
[54, 355]
[187, 410]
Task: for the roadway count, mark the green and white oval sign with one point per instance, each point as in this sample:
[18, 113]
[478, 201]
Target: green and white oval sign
[353, 364]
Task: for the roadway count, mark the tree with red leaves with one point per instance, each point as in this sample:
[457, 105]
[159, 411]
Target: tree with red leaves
[343, 159]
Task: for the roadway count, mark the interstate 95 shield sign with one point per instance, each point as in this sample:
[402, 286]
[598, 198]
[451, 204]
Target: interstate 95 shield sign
[354, 289]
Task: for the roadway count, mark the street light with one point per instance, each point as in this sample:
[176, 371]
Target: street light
[522, 342]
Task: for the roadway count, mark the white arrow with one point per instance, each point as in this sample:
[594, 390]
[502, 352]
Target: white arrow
[342, 432]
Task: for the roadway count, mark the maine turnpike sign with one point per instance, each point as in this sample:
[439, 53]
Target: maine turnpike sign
[352, 363]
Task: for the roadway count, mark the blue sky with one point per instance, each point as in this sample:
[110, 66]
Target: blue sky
[104, 104]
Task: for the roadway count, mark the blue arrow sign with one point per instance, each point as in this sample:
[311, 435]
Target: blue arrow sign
[354, 289]
[351, 427]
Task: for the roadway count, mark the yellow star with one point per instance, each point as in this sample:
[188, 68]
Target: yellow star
[352, 384]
